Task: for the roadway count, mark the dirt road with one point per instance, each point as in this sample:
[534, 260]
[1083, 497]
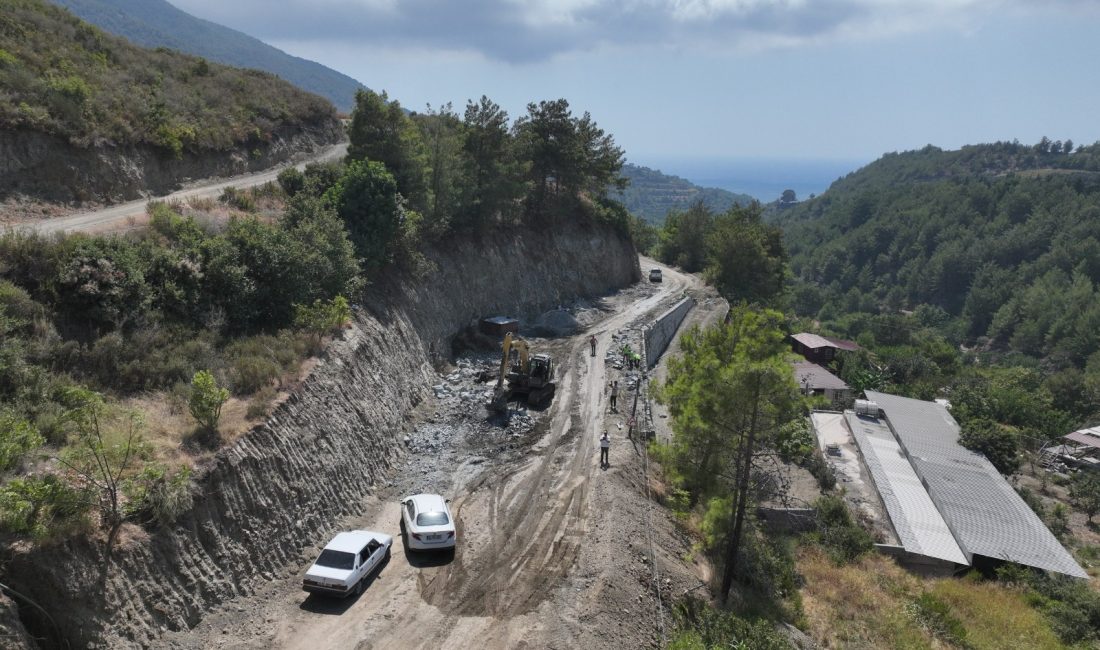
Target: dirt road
[552, 551]
[105, 218]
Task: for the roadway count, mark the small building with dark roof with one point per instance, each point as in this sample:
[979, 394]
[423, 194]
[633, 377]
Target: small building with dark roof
[820, 349]
[814, 380]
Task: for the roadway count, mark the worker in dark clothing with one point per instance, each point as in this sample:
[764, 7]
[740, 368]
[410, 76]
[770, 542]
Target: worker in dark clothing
[605, 449]
[614, 396]
[592, 341]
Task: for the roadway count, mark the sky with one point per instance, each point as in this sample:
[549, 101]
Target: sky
[679, 81]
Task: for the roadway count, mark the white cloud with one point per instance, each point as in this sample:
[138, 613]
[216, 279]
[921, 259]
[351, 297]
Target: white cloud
[533, 30]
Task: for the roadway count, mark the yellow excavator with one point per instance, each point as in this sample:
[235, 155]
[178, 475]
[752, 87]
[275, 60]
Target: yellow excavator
[522, 373]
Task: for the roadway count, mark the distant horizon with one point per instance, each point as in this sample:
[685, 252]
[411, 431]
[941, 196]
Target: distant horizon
[763, 178]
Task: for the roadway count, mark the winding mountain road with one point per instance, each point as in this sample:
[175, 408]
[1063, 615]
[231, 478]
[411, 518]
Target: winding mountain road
[106, 218]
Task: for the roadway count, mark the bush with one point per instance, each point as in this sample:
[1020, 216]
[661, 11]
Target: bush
[239, 199]
[935, 616]
[249, 374]
[996, 442]
[699, 626]
[843, 538]
[17, 437]
[1071, 605]
[260, 405]
[41, 507]
[292, 181]
[206, 400]
[322, 317]
[821, 470]
[157, 495]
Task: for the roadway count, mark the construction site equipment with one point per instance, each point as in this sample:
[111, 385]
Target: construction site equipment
[522, 373]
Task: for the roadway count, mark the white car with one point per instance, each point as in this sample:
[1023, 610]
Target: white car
[346, 562]
[427, 523]
[655, 275]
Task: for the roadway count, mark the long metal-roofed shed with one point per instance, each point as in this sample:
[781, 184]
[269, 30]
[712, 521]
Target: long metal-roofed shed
[920, 527]
[987, 517]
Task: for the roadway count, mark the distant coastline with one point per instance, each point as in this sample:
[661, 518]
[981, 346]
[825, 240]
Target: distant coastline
[763, 178]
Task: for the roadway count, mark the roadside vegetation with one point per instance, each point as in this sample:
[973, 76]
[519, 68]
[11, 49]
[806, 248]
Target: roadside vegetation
[62, 76]
[125, 359]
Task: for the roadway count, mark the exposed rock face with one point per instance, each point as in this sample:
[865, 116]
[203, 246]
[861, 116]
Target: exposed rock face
[48, 168]
[283, 486]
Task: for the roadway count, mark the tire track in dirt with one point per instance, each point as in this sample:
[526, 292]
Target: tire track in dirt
[538, 514]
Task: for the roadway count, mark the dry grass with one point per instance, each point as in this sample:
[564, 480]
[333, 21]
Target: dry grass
[860, 605]
[995, 617]
[169, 427]
[869, 604]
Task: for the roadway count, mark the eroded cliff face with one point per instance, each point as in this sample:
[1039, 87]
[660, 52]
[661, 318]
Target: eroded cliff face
[283, 486]
[45, 167]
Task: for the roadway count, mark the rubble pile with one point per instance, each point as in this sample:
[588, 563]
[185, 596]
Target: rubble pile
[461, 423]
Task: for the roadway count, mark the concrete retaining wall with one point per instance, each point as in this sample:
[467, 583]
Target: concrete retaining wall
[661, 332]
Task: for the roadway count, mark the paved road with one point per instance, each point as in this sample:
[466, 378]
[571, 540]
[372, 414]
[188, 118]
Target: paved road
[105, 217]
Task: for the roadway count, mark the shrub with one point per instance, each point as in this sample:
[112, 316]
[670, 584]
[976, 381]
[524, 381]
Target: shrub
[17, 437]
[322, 317]
[996, 442]
[249, 374]
[292, 181]
[239, 199]
[1071, 605]
[935, 616]
[699, 626]
[843, 538]
[821, 470]
[1084, 493]
[260, 405]
[158, 495]
[41, 507]
[206, 400]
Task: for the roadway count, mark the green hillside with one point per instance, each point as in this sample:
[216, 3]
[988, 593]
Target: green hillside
[65, 77]
[999, 240]
[651, 194]
[156, 23]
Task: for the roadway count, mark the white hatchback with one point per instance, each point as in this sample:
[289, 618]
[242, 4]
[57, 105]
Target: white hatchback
[346, 562]
[427, 523]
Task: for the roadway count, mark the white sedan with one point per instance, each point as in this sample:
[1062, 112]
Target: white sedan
[427, 523]
[346, 562]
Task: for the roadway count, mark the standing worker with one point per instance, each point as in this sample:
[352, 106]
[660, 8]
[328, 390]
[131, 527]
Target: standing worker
[614, 396]
[605, 448]
[592, 340]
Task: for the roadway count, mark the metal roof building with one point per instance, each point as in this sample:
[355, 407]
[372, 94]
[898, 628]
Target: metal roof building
[986, 516]
[920, 527]
[813, 376]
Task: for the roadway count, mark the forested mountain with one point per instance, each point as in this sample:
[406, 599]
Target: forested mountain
[651, 194]
[156, 23]
[62, 76]
[999, 240]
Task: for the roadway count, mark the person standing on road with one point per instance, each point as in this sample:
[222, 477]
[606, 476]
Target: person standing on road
[614, 396]
[605, 449]
[592, 341]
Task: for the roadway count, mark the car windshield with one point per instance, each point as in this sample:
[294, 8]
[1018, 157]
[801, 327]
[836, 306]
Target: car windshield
[336, 559]
[431, 519]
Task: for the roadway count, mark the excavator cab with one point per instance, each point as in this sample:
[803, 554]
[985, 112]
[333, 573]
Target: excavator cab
[523, 374]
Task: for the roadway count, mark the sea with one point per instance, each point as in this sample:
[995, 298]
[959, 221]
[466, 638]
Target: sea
[762, 178]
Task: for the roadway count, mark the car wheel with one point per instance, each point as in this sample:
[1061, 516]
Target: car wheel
[359, 588]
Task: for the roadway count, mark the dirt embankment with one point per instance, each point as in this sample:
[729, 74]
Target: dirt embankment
[43, 167]
[285, 484]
